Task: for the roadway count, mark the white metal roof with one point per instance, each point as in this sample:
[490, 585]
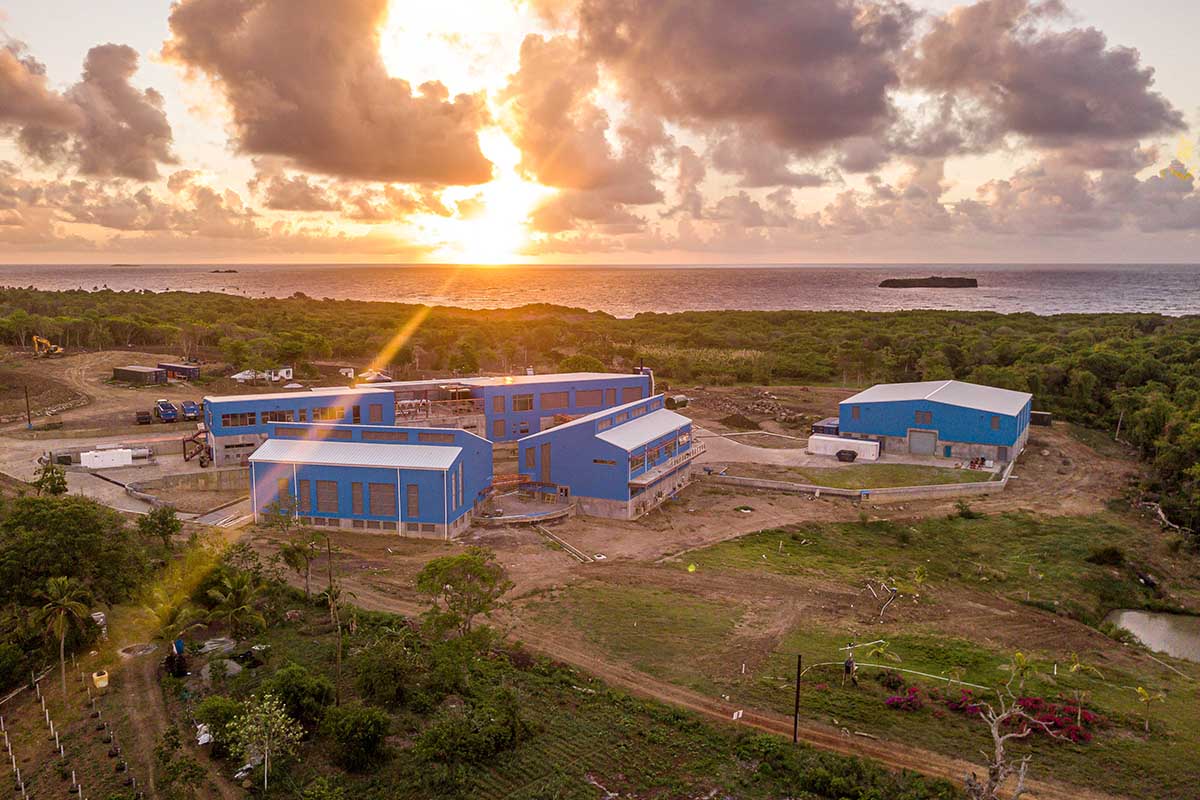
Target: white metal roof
[954, 393]
[331, 391]
[394, 455]
[640, 430]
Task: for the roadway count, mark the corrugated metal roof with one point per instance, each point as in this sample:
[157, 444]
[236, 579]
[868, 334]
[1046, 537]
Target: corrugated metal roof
[640, 430]
[332, 391]
[511, 380]
[396, 455]
[954, 393]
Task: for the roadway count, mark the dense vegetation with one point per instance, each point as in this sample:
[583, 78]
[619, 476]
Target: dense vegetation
[1139, 371]
[61, 556]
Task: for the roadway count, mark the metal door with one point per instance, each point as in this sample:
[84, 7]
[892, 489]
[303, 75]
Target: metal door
[922, 443]
[545, 462]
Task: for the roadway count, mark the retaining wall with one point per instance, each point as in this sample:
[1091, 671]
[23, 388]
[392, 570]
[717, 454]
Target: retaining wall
[884, 495]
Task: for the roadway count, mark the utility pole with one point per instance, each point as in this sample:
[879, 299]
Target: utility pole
[28, 414]
[796, 713]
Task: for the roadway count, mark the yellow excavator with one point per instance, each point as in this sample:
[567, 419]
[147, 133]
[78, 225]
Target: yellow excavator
[44, 348]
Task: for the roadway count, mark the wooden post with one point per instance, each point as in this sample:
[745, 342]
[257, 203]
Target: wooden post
[796, 713]
[28, 414]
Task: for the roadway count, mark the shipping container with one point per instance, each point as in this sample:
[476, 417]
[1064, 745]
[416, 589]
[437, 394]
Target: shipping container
[820, 445]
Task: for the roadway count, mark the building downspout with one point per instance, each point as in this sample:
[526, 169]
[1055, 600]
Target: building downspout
[295, 494]
[445, 509]
[254, 491]
[399, 506]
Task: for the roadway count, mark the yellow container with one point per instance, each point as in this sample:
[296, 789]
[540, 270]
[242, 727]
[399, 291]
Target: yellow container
[100, 679]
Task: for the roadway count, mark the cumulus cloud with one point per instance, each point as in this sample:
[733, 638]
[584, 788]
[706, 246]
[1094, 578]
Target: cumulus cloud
[1054, 87]
[25, 95]
[103, 124]
[282, 191]
[802, 74]
[759, 163]
[304, 80]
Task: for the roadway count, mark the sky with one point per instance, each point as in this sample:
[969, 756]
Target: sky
[599, 131]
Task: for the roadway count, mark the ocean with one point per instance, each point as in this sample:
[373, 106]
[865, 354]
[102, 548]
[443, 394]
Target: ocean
[623, 291]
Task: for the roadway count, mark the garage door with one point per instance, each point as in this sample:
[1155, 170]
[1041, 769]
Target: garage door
[922, 443]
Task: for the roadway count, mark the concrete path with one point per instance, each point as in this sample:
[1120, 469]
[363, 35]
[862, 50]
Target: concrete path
[723, 450]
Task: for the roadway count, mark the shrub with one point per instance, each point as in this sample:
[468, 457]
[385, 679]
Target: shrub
[384, 672]
[357, 733]
[474, 734]
[911, 700]
[217, 711]
[1107, 557]
[303, 694]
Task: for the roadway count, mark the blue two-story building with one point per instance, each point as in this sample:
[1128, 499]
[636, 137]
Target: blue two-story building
[236, 424]
[505, 408]
[620, 463]
[414, 481]
[948, 419]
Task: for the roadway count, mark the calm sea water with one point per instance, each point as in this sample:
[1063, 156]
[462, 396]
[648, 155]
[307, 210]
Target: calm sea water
[625, 291]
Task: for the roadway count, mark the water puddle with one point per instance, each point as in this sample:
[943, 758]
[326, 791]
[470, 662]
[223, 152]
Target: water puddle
[1175, 634]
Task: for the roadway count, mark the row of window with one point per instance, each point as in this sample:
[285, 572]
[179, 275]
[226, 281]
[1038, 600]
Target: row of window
[921, 417]
[248, 419]
[584, 398]
[379, 498]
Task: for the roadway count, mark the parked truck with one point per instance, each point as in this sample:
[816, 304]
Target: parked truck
[165, 411]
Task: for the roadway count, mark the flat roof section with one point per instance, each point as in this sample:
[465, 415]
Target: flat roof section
[642, 430]
[954, 393]
[393, 455]
[327, 392]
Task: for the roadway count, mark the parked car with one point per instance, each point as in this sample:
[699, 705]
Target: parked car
[143, 417]
[165, 411]
[190, 409]
[847, 455]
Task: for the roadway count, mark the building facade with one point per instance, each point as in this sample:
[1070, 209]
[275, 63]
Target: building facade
[620, 463]
[503, 409]
[412, 481]
[946, 419]
[236, 424]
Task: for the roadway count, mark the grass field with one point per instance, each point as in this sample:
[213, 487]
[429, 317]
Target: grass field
[863, 476]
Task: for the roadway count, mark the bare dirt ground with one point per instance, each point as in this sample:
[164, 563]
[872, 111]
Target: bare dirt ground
[788, 410]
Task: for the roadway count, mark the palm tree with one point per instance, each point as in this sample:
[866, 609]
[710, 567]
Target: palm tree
[235, 599]
[64, 609]
[173, 617]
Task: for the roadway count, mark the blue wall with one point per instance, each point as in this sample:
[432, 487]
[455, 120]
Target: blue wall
[476, 456]
[953, 423]
[574, 448]
[531, 420]
[295, 402]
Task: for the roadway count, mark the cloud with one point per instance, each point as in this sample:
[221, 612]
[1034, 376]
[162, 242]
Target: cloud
[1054, 87]
[25, 96]
[304, 80]
[800, 74]
[760, 163]
[283, 192]
[102, 124]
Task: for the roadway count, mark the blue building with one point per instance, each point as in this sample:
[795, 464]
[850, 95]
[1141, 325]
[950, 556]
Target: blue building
[948, 419]
[503, 409]
[621, 462]
[237, 424]
[415, 481]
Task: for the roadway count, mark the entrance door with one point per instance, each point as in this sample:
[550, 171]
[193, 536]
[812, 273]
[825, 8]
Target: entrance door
[1002, 454]
[545, 462]
[922, 443]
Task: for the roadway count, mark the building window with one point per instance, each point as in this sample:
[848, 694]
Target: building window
[290, 433]
[356, 415]
[356, 498]
[330, 414]
[553, 400]
[637, 462]
[855, 412]
[924, 417]
[604, 424]
[498, 404]
[341, 433]
[453, 490]
[304, 415]
[245, 420]
[995, 423]
[428, 528]
[631, 393]
[522, 402]
[283, 492]
[413, 505]
[436, 438]
[461, 492]
[530, 457]
[412, 527]
[276, 416]
[669, 447]
[497, 429]
[522, 428]
[327, 497]
[305, 498]
[381, 499]
[684, 438]
[637, 411]
[385, 436]
[608, 462]
[610, 397]
[622, 417]
[375, 413]
[652, 455]
[654, 404]
[588, 398]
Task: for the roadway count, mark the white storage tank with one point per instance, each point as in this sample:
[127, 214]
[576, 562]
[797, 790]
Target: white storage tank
[822, 445]
[106, 459]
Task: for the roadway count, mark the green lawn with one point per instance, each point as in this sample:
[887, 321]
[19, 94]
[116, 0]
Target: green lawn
[863, 476]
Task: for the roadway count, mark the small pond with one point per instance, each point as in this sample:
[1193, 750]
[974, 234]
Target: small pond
[1175, 634]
